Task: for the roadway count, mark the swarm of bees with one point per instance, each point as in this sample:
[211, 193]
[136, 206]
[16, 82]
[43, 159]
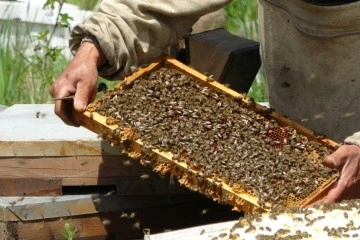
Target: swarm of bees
[217, 135]
[328, 221]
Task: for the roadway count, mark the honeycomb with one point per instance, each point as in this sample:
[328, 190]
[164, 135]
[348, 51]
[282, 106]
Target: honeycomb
[215, 140]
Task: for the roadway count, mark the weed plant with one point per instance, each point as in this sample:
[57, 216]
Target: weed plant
[69, 233]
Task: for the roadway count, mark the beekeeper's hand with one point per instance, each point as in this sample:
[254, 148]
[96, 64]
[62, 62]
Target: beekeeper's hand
[347, 160]
[79, 78]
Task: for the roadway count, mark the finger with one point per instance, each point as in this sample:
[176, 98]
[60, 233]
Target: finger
[63, 108]
[351, 192]
[66, 107]
[318, 202]
[329, 161]
[335, 192]
[327, 197]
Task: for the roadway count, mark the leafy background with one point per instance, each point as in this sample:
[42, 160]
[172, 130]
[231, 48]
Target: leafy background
[26, 78]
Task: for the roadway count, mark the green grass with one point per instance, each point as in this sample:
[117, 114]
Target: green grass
[13, 66]
[24, 76]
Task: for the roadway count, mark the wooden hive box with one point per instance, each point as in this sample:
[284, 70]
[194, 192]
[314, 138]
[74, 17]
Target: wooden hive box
[95, 216]
[214, 185]
[52, 174]
[41, 156]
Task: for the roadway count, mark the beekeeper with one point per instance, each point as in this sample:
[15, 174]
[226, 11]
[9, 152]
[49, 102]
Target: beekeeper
[309, 50]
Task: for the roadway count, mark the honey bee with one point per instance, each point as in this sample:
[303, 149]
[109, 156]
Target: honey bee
[110, 121]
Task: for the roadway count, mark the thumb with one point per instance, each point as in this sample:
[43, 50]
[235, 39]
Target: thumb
[83, 96]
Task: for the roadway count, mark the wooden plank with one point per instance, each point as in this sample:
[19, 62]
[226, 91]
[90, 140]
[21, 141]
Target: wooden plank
[88, 227]
[96, 166]
[125, 224]
[35, 130]
[35, 176]
[203, 232]
[29, 209]
[38, 148]
[163, 162]
[30, 187]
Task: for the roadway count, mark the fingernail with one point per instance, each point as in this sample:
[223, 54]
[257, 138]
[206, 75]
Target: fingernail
[329, 161]
[333, 161]
[79, 108]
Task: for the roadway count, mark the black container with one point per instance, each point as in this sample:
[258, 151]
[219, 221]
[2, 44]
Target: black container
[228, 58]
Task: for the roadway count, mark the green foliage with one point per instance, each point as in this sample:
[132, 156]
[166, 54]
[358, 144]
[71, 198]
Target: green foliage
[243, 18]
[42, 63]
[64, 20]
[26, 78]
[258, 90]
[12, 67]
[243, 21]
[50, 4]
[27, 74]
[68, 233]
[86, 5]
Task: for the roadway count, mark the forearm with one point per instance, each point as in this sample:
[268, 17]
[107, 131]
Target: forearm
[91, 52]
[130, 32]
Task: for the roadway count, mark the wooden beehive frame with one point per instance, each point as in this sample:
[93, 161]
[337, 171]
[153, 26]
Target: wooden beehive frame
[163, 162]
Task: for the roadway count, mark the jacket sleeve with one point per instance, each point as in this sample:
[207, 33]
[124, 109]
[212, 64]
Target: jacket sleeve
[131, 32]
[353, 139]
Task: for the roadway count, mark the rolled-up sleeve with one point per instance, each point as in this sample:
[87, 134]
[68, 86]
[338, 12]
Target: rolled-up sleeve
[353, 139]
[131, 32]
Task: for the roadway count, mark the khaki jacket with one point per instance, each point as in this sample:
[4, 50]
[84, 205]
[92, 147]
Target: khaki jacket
[310, 53]
[130, 32]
